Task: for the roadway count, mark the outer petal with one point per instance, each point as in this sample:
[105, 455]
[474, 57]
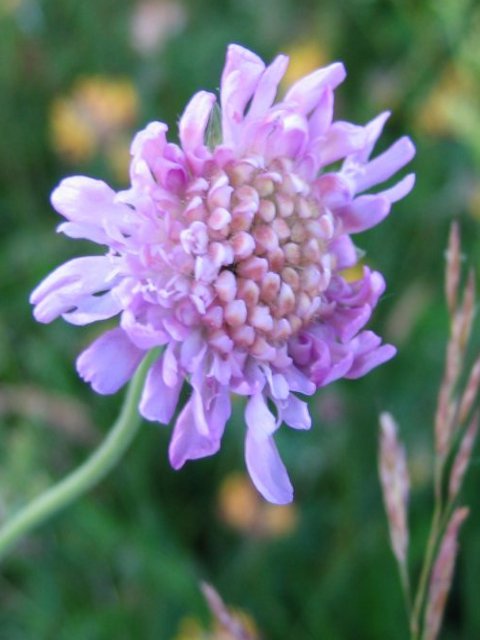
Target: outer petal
[341, 139]
[69, 285]
[258, 416]
[363, 213]
[295, 413]
[195, 119]
[159, 400]
[400, 190]
[369, 353]
[187, 443]
[109, 362]
[239, 80]
[306, 93]
[266, 468]
[267, 87]
[385, 165]
[85, 200]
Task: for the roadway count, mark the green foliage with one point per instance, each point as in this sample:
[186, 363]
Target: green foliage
[125, 562]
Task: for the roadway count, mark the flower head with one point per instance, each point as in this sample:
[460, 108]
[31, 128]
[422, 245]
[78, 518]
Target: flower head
[231, 258]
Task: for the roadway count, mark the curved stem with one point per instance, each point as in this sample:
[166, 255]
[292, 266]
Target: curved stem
[88, 474]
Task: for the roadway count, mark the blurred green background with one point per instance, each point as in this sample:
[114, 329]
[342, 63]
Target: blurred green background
[76, 80]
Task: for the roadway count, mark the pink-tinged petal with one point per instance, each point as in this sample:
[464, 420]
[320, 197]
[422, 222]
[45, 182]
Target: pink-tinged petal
[305, 94]
[322, 375]
[94, 308]
[70, 284]
[344, 251]
[143, 333]
[170, 366]
[187, 443]
[385, 165]
[83, 199]
[400, 190]
[373, 130]
[266, 468]
[109, 362]
[194, 120]
[295, 413]
[333, 190]
[368, 354]
[299, 382]
[212, 410]
[322, 116]
[192, 351]
[240, 77]
[288, 138]
[258, 416]
[348, 322]
[159, 400]
[341, 139]
[150, 142]
[84, 231]
[267, 87]
[363, 213]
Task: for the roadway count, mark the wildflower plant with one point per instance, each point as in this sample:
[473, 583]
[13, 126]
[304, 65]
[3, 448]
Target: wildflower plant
[225, 265]
[455, 432]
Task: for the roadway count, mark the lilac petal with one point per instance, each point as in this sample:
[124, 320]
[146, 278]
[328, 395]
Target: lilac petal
[109, 362]
[373, 130]
[385, 165]
[334, 189]
[192, 350]
[400, 190]
[341, 139]
[240, 77]
[170, 367]
[150, 143]
[258, 416]
[267, 87]
[94, 308]
[345, 252]
[322, 116]
[348, 322]
[338, 370]
[159, 400]
[368, 354]
[195, 119]
[363, 213]
[187, 443]
[70, 284]
[143, 333]
[306, 93]
[84, 231]
[295, 413]
[289, 138]
[266, 468]
[299, 382]
[84, 200]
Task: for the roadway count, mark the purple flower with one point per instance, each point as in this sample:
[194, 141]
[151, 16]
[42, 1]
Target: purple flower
[231, 258]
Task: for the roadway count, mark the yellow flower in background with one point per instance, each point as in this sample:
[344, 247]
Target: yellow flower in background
[9, 6]
[305, 56]
[95, 117]
[243, 509]
[451, 108]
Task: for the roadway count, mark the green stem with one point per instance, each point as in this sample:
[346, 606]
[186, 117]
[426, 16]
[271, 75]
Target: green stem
[88, 474]
[425, 574]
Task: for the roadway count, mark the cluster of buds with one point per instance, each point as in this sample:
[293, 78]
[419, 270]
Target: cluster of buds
[257, 241]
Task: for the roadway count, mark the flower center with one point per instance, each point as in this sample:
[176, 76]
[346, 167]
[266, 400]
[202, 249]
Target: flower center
[257, 240]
